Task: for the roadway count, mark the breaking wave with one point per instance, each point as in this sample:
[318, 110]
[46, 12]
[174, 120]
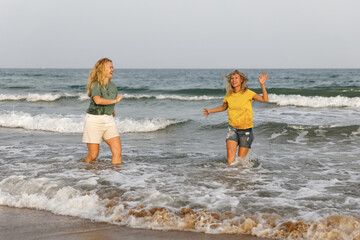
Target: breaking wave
[50, 97]
[36, 97]
[75, 123]
[172, 97]
[314, 101]
[280, 100]
[111, 206]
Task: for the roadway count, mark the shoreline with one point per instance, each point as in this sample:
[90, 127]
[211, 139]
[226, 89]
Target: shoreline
[23, 223]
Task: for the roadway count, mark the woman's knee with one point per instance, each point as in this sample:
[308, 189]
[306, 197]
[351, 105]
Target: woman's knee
[93, 152]
[115, 145]
[243, 152]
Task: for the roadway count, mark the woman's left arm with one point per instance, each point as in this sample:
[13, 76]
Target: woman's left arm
[264, 97]
[104, 101]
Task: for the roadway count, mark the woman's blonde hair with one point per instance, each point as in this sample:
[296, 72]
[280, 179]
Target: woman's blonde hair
[229, 87]
[97, 74]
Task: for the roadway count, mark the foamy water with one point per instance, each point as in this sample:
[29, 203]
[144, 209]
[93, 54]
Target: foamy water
[300, 180]
[154, 196]
[282, 100]
[316, 102]
[34, 97]
[75, 124]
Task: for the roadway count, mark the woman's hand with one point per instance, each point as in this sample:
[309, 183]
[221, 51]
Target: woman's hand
[118, 98]
[215, 110]
[206, 112]
[264, 97]
[263, 78]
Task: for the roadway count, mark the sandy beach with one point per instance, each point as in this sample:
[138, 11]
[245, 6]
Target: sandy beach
[18, 223]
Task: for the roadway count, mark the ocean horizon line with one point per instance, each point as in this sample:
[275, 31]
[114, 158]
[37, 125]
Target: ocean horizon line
[144, 68]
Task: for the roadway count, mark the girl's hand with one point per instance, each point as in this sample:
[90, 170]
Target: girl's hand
[263, 78]
[118, 98]
[206, 112]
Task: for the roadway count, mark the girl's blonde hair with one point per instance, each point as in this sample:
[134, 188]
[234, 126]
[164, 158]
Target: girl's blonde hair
[229, 87]
[97, 74]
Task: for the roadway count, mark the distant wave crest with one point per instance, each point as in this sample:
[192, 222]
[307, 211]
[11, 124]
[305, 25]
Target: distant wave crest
[50, 97]
[35, 97]
[172, 97]
[314, 101]
[279, 99]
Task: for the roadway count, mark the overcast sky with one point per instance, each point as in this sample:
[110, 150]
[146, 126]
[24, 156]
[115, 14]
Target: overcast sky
[180, 33]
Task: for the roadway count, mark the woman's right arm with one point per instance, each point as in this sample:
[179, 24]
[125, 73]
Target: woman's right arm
[214, 110]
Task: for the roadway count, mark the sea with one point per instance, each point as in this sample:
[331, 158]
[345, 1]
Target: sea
[299, 181]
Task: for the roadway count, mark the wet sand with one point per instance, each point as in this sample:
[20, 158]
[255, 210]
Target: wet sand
[16, 223]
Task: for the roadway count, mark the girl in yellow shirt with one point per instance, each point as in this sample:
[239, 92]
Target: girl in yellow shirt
[238, 101]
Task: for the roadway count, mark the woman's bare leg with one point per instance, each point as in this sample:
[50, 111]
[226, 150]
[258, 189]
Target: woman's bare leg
[231, 147]
[115, 147]
[243, 152]
[93, 152]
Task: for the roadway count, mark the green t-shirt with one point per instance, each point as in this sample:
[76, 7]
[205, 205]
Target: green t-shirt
[109, 91]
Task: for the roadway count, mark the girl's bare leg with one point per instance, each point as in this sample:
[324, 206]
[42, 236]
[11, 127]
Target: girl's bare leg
[231, 147]
[115, 147]
[93, 152]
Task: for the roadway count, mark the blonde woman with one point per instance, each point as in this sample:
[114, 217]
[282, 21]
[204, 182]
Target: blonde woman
[99, 121]
[238, 101]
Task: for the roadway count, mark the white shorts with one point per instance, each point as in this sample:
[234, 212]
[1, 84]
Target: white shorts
[97, 127]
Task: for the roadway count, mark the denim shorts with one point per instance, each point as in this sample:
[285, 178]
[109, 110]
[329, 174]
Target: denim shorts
[244, 137]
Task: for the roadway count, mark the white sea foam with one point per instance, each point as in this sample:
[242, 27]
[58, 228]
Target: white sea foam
[144, 125]
[314, 101]
[34, 97]
[172, 97]
[241, 162]
[300, 139]
[54, 196]
[356, 133]
[34, 194]
[75, 123]
[281, 100]
[50, 97]
[84, 97]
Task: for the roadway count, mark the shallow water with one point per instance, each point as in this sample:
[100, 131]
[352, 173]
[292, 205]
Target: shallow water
[174, 173]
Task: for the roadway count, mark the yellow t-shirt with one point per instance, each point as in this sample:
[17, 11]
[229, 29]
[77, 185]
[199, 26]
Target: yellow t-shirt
[240, 109]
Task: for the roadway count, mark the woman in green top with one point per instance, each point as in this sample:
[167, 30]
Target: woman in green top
[99, 122]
